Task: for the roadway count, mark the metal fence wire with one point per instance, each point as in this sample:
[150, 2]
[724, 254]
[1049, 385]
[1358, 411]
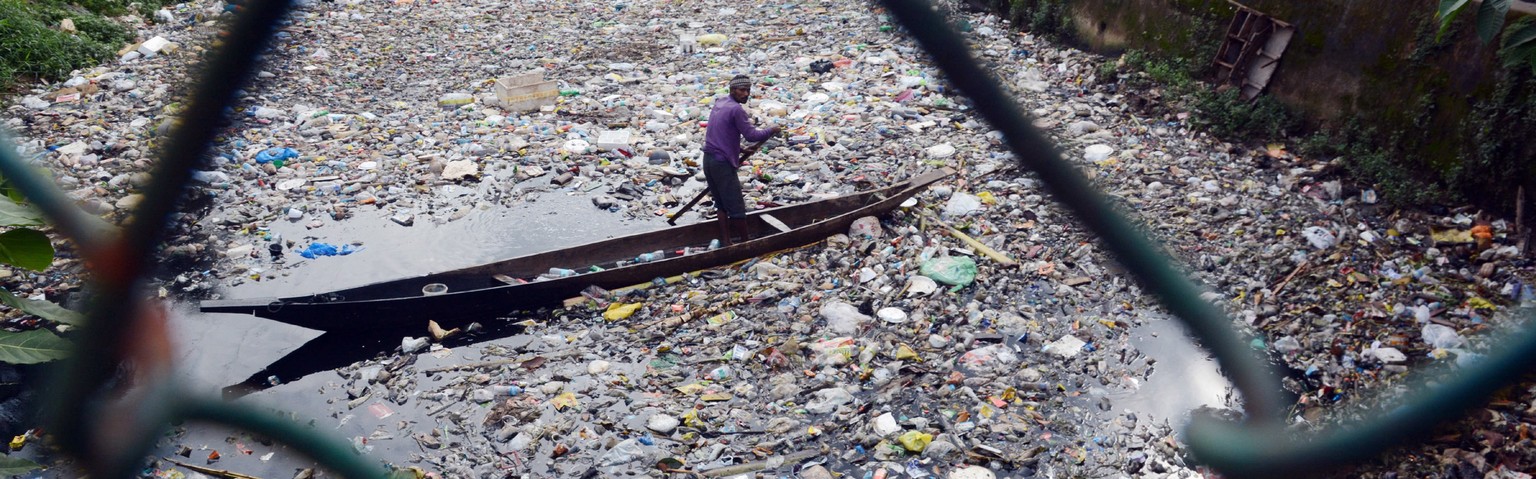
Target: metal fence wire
[111, 433]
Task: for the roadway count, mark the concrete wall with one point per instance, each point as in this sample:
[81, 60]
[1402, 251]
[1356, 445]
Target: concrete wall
[1348, 55]
[1374, 61]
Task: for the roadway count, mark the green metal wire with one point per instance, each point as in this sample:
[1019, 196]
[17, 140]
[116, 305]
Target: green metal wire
[335, 455]
[1259, 447]
[1252, 377]
[89, 232]
[76, 398]
[1439, 396]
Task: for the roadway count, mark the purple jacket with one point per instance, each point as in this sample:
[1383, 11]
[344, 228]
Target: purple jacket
[727, 125]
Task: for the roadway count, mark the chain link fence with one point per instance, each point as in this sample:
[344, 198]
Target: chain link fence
[111, 432]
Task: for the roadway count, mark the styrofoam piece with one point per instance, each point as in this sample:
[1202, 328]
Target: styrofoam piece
[615, 140]
[153, 46]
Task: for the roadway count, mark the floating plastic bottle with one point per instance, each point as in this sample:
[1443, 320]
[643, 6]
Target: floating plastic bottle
[456, 99]
[789, 305]
[649, 257]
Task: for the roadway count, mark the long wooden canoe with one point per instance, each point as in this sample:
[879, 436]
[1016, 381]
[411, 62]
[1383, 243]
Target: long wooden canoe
[497, 288]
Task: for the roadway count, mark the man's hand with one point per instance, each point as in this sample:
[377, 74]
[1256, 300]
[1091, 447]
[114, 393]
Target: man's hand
[776, 130]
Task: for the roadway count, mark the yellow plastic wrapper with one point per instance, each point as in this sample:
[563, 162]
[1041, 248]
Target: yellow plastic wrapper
[617, 311]
[722, 318]
[987, 198]
[1451, 236]
[691, 418]
[915, 441]
[564, 401]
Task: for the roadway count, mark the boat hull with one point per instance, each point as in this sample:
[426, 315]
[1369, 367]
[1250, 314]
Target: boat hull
[475, 293]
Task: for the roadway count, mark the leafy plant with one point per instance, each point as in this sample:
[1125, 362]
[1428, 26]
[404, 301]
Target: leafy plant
[1177, 74]
[1394, 175]
[28, 248]
[1519, 43]
[1049, 17]
[1107, 70]
[29, 45]
[14, 466]
[1226, 114]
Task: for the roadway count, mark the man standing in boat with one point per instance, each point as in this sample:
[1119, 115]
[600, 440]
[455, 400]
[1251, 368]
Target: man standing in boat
[728, 125]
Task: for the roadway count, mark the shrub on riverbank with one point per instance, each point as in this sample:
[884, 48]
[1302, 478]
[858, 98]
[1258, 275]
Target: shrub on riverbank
[33, 46]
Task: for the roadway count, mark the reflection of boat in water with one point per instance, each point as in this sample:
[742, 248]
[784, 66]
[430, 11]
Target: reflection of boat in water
[507, 285]
[336, 350]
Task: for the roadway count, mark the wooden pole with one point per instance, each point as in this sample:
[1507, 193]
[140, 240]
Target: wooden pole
[977, 245]
[1521, 239]
[672, 220]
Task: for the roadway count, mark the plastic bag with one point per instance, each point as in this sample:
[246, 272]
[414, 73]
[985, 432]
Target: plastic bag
[989, 357]
[1320, 237]
[1442, 336]
[843, 318]
[325, 249]
[617, 311]
[276, 155]
[961, 204]
[958, 271]
[625, 452]
[867, 227]
[1097, 153]
[833, 352]
[915, 441]
[828, 400]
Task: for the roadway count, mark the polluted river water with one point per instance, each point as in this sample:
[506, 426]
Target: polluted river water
[218, 352]
[274, 366]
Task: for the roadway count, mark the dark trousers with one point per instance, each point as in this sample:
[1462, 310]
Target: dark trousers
[725, 187]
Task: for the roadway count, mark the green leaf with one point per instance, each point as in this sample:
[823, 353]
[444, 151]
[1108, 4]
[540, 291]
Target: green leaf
[17, 214]
[1519, 33]
[1449, 9]
[1513, 57]
[40, 308]
[32, 347]
[1490, 18]
[27, 248]
[15, 466]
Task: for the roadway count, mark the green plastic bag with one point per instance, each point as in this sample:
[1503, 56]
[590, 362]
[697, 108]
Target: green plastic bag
[958, 271]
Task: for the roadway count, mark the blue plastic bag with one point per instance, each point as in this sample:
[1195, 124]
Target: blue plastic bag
[278, 155]
[325, 249]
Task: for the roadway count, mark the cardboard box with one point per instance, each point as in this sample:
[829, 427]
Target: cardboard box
[526, 92]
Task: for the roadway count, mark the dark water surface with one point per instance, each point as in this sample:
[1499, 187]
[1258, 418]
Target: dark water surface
[217, 351]
[1184, 377]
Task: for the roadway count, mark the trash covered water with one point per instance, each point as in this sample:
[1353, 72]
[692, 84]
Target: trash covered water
[846, 356]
